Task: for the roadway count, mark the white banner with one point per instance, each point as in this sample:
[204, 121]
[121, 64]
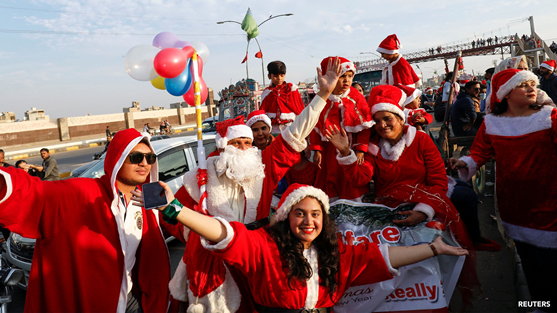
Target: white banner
[427, 285]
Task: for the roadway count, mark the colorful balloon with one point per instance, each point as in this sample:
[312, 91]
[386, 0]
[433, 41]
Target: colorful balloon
[179, 85]
[158, 83]
[165, 40]
[138, 62]
[170, 62]
[189, 95]
[189, 50]
[182, 44]
[202, 50]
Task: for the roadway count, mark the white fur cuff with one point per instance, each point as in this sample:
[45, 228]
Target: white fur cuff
[426, 209]
[384, 248]
[347, 160]
[9, 185]
[467, 173]
[296, 144]
[223, 243]
[451, 185]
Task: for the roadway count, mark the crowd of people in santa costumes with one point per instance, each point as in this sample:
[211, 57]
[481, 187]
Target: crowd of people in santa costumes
[298, 264]
[240, 184]
[522, 135]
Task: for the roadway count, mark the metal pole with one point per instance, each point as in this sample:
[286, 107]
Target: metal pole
[200, 148]
[262, 63]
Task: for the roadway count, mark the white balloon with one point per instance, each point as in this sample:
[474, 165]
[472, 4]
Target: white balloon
[201, 50]
[139, 62]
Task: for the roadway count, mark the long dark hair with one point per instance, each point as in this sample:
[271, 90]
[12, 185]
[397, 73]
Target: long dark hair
[503, 106]
[291, 251]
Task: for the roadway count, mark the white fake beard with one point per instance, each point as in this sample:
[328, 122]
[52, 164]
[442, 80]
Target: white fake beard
[241, 166]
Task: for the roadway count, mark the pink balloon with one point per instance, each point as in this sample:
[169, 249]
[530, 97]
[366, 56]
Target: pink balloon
[189, 95]
[170, 62]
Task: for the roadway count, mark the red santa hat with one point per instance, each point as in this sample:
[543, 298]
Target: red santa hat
[505, 81]
[257, 116]
[346, 65]
[387, 98]
[428, 89]
[296, 193]
[389, 45]
[410, 92]
[230, 129]
[549, 64]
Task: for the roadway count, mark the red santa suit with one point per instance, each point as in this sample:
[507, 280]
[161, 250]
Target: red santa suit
[256, 255]
[200, 274]
[399, 72]
[349, 111]
[526, 160]
[282, 104]
[91, 249]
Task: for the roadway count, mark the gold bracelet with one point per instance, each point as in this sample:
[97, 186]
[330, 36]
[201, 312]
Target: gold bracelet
[433, 249]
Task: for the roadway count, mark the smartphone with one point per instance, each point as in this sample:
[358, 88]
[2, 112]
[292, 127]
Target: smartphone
[153, 196]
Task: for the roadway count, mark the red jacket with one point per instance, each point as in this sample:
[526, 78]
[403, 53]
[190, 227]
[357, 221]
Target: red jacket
[78, 263]
[282, 103]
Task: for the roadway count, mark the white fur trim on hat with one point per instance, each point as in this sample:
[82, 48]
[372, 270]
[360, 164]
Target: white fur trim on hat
[547, 66]
[348, 66]
[415, 95]
[259, 118]
[517, 79]
[387, 107]
[383, 50]
[296, 196]
[234, 131]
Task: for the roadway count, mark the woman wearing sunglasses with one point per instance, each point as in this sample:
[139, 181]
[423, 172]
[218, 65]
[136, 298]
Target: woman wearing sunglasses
[297, 264]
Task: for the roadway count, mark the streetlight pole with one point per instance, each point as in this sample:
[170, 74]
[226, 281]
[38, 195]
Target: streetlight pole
[262, 62]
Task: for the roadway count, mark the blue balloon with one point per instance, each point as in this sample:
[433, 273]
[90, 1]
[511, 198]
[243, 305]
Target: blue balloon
[180, 84]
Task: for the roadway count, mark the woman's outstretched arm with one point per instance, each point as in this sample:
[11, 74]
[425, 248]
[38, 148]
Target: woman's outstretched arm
[401, 256]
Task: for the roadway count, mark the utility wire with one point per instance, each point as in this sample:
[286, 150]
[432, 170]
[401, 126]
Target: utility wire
[101, 14]
[90, 33]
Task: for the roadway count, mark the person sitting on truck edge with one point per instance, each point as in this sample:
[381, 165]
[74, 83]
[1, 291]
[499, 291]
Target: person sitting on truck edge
[281, 101]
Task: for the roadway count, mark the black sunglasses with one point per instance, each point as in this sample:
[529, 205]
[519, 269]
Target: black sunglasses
[137, 157]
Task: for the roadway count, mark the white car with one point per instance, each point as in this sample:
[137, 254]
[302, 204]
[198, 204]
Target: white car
[175, 156]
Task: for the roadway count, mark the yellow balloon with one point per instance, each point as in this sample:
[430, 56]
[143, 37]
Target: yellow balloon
[158, 83]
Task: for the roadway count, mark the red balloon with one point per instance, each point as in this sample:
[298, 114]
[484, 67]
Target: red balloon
[189, 50]
[170, 62]
[189, 95]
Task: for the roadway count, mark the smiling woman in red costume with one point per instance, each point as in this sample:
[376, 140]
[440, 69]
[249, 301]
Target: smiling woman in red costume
[298, 263]
[522, 135]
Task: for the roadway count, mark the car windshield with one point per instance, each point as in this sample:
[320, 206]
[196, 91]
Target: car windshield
[94, 171]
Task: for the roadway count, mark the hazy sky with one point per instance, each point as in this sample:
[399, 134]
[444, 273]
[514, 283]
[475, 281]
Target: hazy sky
[67, 56]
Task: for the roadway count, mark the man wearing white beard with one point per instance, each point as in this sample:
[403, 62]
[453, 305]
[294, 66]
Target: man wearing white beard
[240, 184]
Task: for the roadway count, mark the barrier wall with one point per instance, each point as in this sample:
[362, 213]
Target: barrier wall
[27, 132]
[68, 128]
